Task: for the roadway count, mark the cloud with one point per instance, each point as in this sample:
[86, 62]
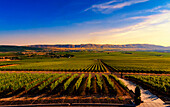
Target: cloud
[138, 17]
[125, 17]
[154, 9]
[154, 30]
[110, 6]
[89, 23]
[157, 9]
[150, 21]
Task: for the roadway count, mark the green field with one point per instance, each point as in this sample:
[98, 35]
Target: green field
[140, 61]
[120, 61]
[68, 84]
[158, 83]
[51, 64]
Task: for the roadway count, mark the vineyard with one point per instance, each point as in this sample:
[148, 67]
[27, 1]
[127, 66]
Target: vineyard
[160, 84]
[85, 78]
[139, 64]
[136, 62]
[47, 64]
[55, 85]
[96, 66]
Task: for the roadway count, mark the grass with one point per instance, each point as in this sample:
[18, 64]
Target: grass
[6, 54]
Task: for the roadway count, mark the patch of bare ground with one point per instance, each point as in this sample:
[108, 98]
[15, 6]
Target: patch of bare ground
[8, 65]
[146, 74]
[5, 60]
[86, 73]
[1, 60]
[118, 74]
[64, 99]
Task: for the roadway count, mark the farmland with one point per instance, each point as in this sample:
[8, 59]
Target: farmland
[31, 85]
[12, 82]
[160, 85]
[83, 78]
[144, 62]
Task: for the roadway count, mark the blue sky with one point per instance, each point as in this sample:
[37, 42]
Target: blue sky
[25, 22]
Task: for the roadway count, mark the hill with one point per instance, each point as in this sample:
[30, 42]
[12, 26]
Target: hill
[98, 47]
[128, 47]
[5, 48]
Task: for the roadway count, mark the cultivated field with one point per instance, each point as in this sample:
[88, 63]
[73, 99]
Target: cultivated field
[86, 77]
[159, 85]
[82, 87]
[137, 62]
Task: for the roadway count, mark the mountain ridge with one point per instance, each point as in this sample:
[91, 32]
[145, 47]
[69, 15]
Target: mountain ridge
[97, 47]
[147, 46]
[7, 48]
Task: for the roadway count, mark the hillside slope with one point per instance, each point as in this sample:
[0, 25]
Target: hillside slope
[6, 48]
[106, 46]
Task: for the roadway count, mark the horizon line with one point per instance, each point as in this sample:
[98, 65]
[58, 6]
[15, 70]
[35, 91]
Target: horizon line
[82, 44]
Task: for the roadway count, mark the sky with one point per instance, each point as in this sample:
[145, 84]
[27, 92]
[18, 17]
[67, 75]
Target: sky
[30, 22]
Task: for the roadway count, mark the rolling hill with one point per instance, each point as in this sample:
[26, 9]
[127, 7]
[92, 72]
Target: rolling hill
[128, 47]
[98, 47]
[6, 48]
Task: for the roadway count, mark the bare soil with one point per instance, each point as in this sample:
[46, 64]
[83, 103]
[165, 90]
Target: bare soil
[5, 60]
[8, 65]
[65, 100]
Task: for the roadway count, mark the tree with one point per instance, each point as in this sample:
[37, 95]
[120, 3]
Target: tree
[121, 75]
[137, 91]
[137, 95]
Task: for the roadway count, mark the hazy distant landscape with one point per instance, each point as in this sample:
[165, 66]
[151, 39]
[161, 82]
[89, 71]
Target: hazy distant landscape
[88, 47]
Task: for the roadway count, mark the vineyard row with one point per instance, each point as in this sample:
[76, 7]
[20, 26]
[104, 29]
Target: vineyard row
[56, 84]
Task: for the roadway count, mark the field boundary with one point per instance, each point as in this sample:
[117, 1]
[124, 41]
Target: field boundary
[72, 104]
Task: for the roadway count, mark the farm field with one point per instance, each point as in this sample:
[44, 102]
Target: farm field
[159, 85]
[88, 77]
[49, 64]
[60, 86]
[137, 62]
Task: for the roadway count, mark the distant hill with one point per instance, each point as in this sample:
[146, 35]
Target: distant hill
[5, 48]
[133, 47]
[99, 47]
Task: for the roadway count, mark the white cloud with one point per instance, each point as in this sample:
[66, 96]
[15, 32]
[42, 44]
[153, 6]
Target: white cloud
[150, 21]
[154, 9]
[154, 29]
[108, 7]
[157, 9]
[89, 22]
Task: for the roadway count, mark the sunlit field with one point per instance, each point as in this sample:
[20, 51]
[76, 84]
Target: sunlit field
[149, 62]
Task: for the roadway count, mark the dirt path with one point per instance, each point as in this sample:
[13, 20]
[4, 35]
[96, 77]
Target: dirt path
[8, 65]
[5, 60]
[149, 99]
[119, 74]
[146, 74]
